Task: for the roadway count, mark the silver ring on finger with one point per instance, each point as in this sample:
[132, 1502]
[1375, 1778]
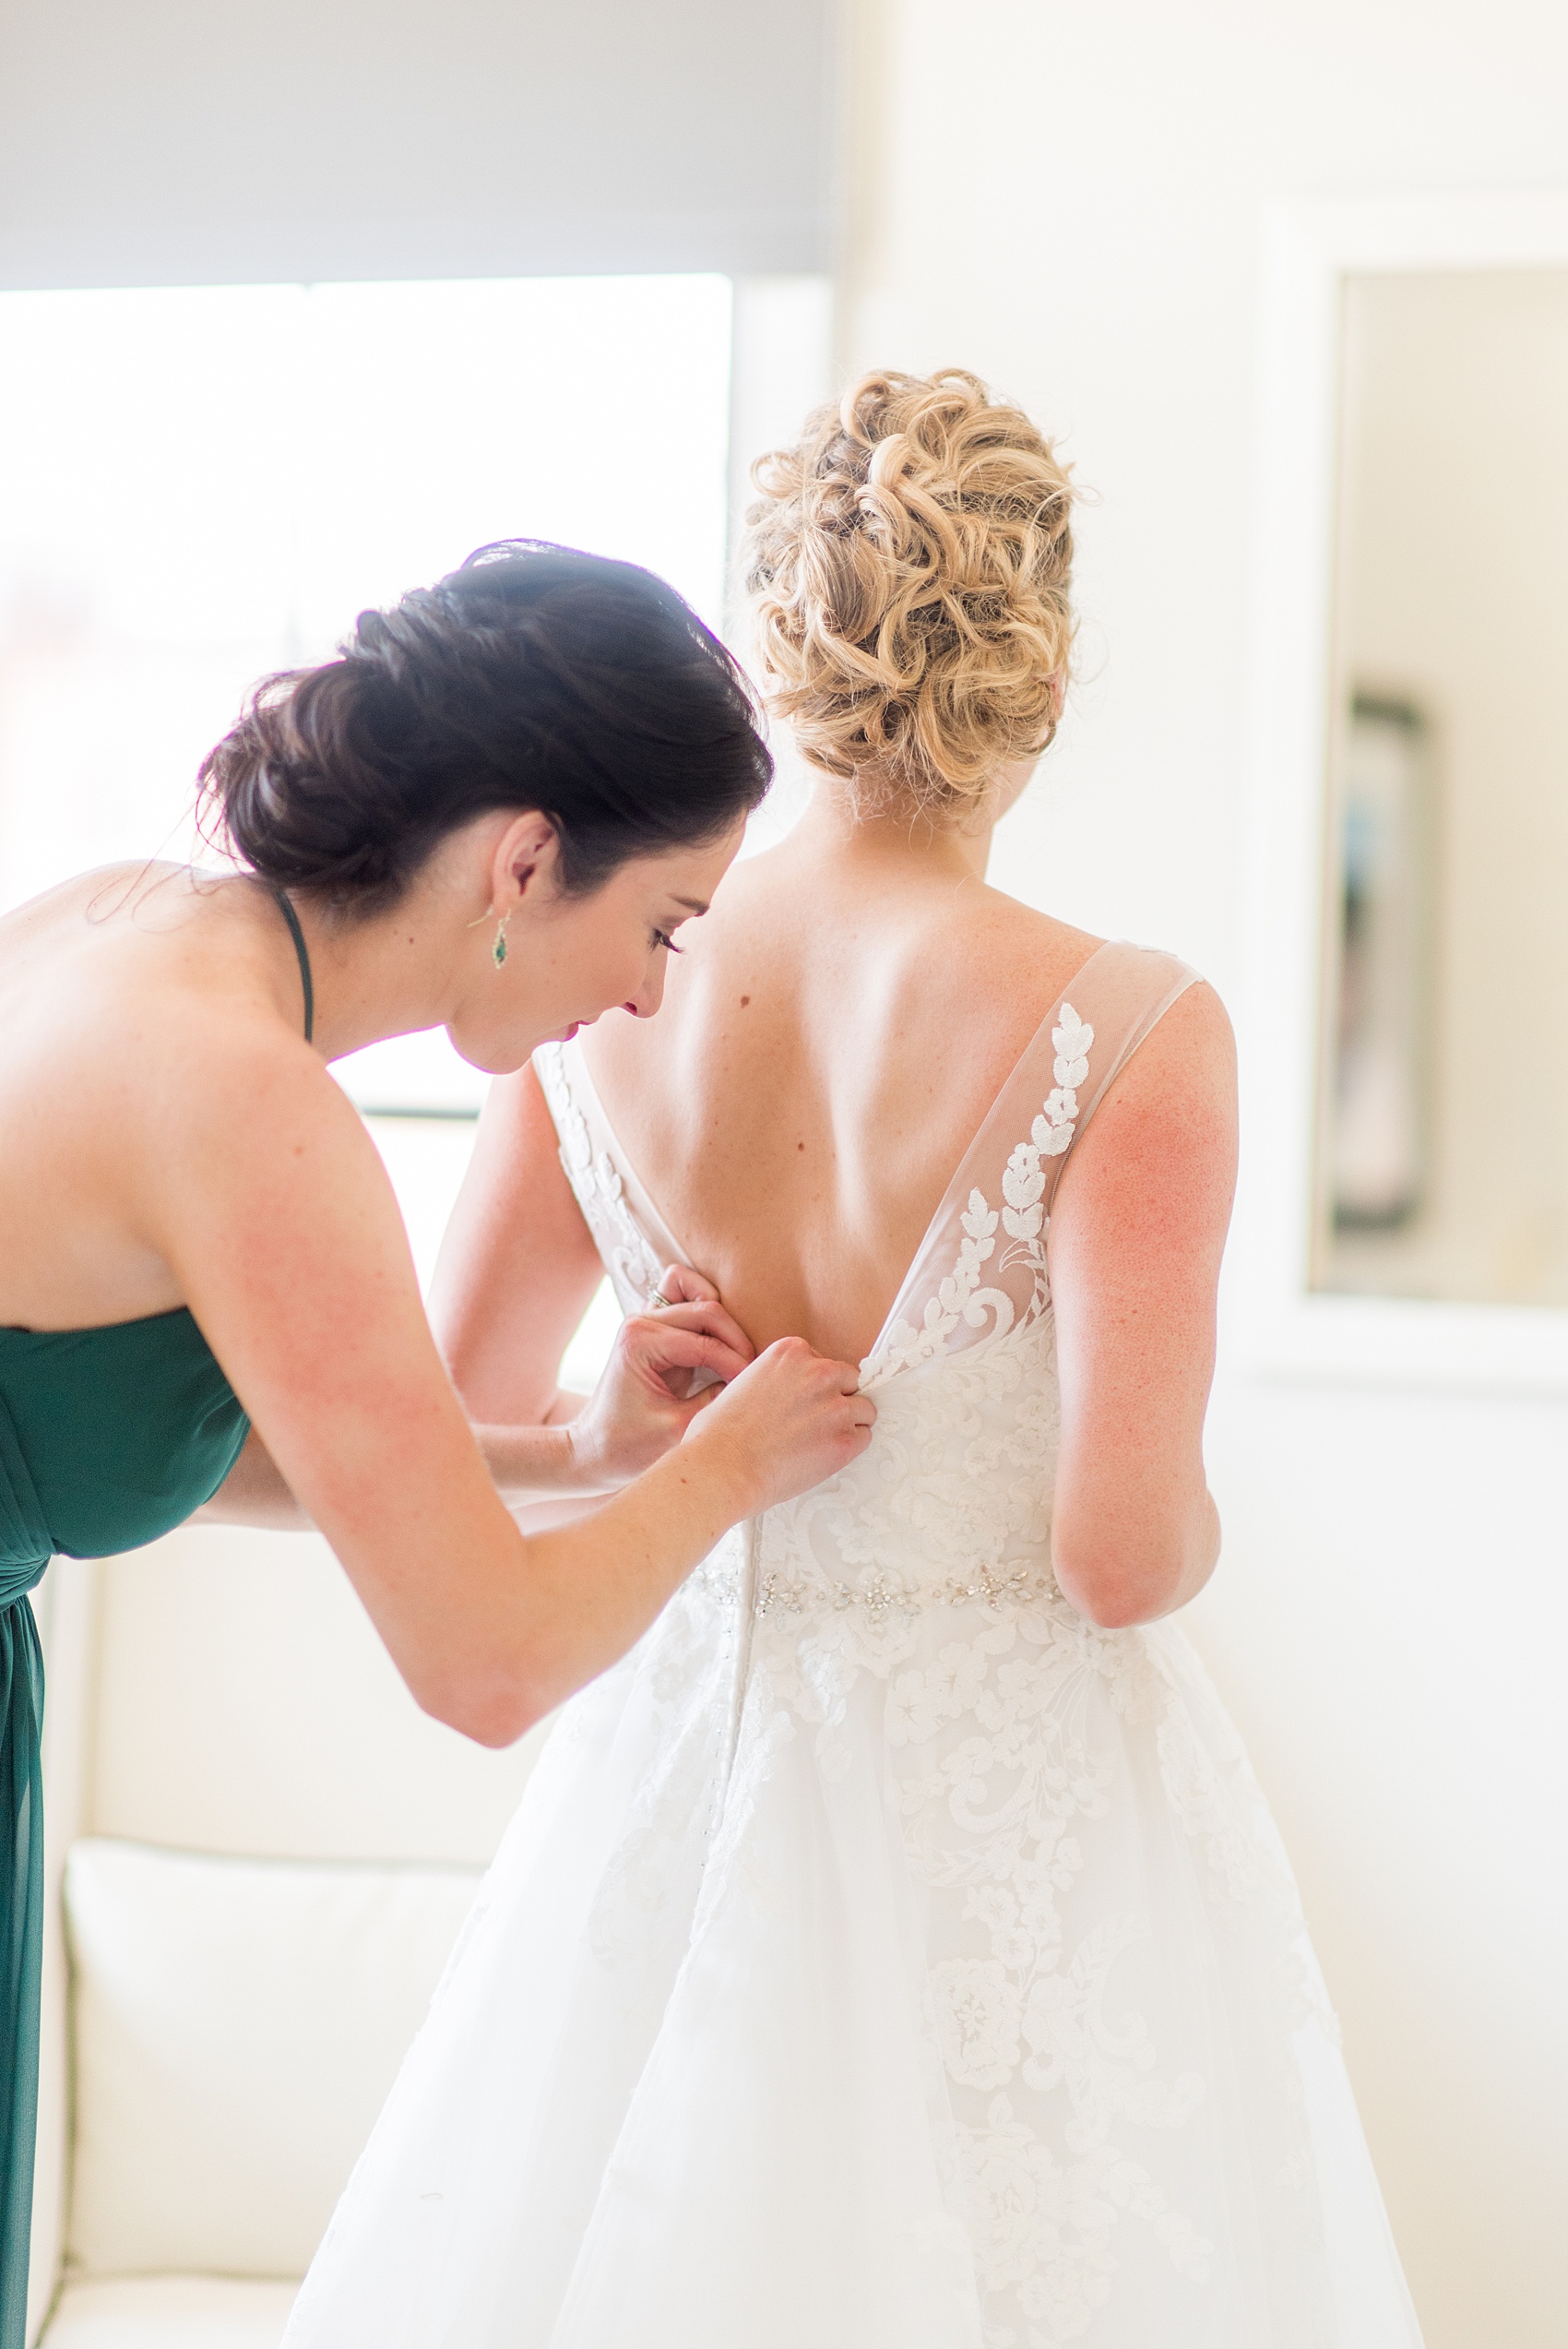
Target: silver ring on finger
[659, 1302]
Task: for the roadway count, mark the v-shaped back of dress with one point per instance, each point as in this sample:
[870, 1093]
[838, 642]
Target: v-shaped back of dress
[981, 1260]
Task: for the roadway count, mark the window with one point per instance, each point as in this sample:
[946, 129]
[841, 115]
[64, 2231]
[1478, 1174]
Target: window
[200, 485]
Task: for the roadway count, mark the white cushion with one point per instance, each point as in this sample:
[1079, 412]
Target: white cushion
[238, 2024]
[170, 2312]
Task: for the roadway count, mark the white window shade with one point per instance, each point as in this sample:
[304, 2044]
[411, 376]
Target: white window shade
[176, 142]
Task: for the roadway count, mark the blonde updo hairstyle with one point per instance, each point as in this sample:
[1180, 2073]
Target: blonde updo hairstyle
[911, 558]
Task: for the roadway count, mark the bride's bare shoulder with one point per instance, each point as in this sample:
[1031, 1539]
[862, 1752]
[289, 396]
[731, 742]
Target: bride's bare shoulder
[934, 969]
[1021, 946]
[968, 933]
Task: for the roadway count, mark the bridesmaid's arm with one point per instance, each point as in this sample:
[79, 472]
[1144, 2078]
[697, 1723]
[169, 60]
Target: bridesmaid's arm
[253, 1493]
[518, 1266]
[516, 1271]
[244, 1167]
[513, 1279]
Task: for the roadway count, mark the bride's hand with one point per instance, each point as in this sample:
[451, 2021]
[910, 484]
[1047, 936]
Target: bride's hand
[792, 1420]
[662, 1370]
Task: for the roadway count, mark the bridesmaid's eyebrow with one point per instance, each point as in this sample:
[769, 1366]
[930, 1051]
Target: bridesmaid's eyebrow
[691, 905]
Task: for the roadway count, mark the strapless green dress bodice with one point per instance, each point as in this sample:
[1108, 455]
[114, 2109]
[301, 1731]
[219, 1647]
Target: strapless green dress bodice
[109, 1438]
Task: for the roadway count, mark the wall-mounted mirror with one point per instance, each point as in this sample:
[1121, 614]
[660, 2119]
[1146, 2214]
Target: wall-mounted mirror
[1441, 1140]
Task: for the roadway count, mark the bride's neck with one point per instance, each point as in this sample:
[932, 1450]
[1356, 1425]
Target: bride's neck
[883, 841]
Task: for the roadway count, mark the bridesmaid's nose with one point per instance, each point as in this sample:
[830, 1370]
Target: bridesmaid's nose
[649, 996]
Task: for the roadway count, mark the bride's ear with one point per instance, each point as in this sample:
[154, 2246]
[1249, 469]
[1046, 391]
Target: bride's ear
[527, 862]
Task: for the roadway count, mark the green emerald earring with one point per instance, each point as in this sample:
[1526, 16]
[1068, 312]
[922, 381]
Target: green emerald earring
[498, 952]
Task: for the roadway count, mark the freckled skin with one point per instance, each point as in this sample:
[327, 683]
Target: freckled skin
[798, 1158]
[899, 992]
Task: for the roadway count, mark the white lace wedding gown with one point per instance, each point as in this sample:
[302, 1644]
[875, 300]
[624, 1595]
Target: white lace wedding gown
[884, 1957]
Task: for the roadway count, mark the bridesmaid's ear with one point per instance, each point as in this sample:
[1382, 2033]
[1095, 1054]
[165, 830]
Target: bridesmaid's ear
[525, 864]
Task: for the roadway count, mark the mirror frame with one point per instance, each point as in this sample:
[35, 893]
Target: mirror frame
[1288, 1329]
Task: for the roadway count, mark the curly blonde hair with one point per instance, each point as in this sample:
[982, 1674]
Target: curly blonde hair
[911, 558]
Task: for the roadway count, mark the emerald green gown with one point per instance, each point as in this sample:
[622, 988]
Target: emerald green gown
[109, 1438]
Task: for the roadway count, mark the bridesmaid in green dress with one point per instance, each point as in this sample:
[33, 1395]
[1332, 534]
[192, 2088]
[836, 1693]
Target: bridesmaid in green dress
[490, 814]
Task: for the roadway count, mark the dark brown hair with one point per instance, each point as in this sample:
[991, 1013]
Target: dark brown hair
[531, 677]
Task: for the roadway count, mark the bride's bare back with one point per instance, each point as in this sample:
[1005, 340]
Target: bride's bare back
[830, 1039]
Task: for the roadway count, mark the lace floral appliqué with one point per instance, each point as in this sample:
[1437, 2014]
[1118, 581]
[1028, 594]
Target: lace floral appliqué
[959, 1297]
[596, 1180]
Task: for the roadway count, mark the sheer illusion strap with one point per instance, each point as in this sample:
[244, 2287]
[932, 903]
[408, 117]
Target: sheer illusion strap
[982, 1271]
[631, 1235]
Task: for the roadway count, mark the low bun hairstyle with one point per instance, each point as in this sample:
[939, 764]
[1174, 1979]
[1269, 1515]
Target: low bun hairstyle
[911, 558]
[531, 677]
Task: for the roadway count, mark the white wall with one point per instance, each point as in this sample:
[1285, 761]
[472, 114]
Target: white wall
[1068, 199]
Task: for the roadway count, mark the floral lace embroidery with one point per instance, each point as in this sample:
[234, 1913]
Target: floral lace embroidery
[1004, 1784]
[1003, 1817]
[960, 1297]
[596, 1180]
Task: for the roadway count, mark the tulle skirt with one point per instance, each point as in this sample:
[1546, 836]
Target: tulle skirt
[915, 1979]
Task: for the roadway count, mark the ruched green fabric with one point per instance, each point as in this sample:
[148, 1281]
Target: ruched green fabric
[109, 1438]
[24, 1552]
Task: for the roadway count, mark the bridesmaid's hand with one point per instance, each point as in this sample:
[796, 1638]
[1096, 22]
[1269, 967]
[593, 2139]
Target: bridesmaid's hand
[664, 1364]
[794, 1419]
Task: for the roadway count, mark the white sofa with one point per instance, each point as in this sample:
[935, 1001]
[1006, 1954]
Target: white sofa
[170, 2312]
[236, 2025]
[262, 1855]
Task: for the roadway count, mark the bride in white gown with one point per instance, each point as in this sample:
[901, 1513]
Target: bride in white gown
[894, 1950]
